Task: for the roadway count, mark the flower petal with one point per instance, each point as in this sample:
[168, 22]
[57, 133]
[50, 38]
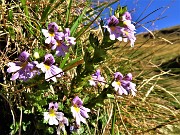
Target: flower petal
[53, 121]
[45, 32]
[13, 68]
[46, 116]
[15, 76]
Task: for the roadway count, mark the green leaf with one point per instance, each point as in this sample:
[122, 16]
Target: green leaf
[64, 60]
[73, 63]
[49, 9]
[26, 11]
[46, 11]
[78, 21]
[10, 15]
[120, 11]
[113, 120]
[68, 13]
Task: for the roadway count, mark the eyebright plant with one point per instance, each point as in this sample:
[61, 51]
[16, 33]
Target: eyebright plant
[61, 87]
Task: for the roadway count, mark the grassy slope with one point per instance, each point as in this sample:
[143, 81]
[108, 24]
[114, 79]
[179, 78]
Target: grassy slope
[150, 58]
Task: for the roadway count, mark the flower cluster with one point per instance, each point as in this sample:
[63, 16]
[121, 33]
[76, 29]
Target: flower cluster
[121, 32]
[57, 39]
[123, 85]
[25, 70]
[22, 69]
[79, 112]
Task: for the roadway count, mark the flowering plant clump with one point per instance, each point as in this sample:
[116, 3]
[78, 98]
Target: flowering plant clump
[61, 72]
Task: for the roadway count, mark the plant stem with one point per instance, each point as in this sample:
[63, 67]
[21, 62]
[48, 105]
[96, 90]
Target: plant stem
[113, 119]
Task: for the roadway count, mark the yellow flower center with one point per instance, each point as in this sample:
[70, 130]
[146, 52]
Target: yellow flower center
[76, 109]
[47, 67]
[124, 23]
[52, 113]
[126, 33]
[118, 83]
[51, 34]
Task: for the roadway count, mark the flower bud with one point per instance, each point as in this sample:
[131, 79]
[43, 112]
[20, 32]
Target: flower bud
[36, 55]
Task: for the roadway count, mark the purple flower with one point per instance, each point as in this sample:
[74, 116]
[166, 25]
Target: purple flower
[117, 84]
[51, 34]
[126, 16]
[79, 112]
[60, 45]
[51, 71]
[53, 106]
[128, 85]
[128, 34]
[21, 69]
[113, 28]
[70, 40]
[74, 128]
[97, 79]
[62, 122]
[123, 85]
[128, 30]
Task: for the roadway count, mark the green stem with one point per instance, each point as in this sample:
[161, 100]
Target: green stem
[113, 119]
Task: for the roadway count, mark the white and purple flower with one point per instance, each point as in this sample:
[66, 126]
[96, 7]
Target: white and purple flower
[51, 71]
[52, 116]
[97, 79]
[79, 112]
[126, 16]
[117, 84]
[22, 69]
[62, 122]
[128, 30]
[113, 28]
[60, 45]
[123, 85]
[128, 85]
[128, 34]
[51, 34]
